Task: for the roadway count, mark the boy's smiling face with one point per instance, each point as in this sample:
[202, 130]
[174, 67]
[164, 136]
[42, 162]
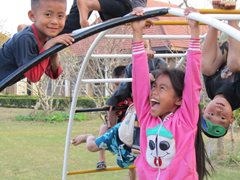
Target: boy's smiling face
[49, 17]
[219, 111]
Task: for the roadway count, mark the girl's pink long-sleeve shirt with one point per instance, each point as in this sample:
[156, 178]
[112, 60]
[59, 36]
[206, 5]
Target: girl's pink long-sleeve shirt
[167, 149]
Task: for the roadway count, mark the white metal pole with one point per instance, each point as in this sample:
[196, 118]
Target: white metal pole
[74, 102]
[206, 19]
[174, 11]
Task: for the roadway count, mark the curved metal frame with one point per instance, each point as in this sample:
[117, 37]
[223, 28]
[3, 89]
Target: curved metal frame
[78, 35]
[172, 11]
[74, 100]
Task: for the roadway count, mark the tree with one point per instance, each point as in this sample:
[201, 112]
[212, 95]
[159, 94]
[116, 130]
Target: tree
[3, 38]
[47, 89]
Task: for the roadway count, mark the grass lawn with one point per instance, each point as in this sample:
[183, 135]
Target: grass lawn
[34, 150]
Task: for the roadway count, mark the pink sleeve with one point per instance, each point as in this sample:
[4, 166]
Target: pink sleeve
[192, 85]
[141, 81]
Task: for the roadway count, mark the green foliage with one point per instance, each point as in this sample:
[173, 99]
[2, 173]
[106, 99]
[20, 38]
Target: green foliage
[18, 101]
[53, 117]
[230, 160]
[61, 103]
[237, 116]
[233, 159]
[3, 38]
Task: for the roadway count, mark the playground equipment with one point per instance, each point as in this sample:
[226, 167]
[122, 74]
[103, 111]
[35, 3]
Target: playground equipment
[208, 17]
[210, 20]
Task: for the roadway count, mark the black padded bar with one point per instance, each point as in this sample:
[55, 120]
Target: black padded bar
[80, 34]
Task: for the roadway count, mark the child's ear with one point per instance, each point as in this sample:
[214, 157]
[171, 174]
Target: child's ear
[31, 16]
[178, 101]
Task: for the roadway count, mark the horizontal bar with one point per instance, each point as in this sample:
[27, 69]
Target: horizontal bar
[130, 55]
[92, 109]
[97, 171]
[184, 22]
[173, 22]
[98, 109]
[225, 16]
[218, 11]
[163, 37]
[212, 11]
[112, 80]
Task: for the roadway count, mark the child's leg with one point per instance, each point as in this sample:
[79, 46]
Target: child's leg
[101, 163]
[233, 60]
[84, 7]
[112, 118]
[132, 174]
[91, 144]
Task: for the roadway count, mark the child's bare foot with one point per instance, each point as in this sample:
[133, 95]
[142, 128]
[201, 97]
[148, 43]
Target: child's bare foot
[79, 139]
[230, 4]
[84, 23]
[216, 4]
[84, 8]
[224, 4]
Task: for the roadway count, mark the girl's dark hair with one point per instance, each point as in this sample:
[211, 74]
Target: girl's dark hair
[177, 79]
[201, 153]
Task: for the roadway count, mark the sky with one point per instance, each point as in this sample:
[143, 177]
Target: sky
[14, 12]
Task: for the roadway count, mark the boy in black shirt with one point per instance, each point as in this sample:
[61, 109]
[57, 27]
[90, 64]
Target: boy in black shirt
[220, 68]
[108, 9]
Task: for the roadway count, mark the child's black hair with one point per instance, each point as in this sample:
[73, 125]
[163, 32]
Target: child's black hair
[118, 71]
[176, 77]
[177, 80]
[35, 3]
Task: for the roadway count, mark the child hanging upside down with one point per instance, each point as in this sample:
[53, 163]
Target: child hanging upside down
[221, 72]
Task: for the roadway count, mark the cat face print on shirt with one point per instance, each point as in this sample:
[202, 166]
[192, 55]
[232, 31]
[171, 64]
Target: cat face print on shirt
[160, 147]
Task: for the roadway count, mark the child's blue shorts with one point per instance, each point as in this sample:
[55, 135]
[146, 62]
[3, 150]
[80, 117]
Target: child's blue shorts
[110, 141]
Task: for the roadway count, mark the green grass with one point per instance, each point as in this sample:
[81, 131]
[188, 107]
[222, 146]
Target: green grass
[53, 117]
[34, 150]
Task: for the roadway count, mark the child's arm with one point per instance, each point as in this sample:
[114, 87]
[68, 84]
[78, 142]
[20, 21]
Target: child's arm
[233, 50]
[50, 65]
[212, 57]
[140, 72]
[192, 82]
[54, 68]
[84, 8]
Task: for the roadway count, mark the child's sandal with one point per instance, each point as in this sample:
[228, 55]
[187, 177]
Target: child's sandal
[101, 165]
